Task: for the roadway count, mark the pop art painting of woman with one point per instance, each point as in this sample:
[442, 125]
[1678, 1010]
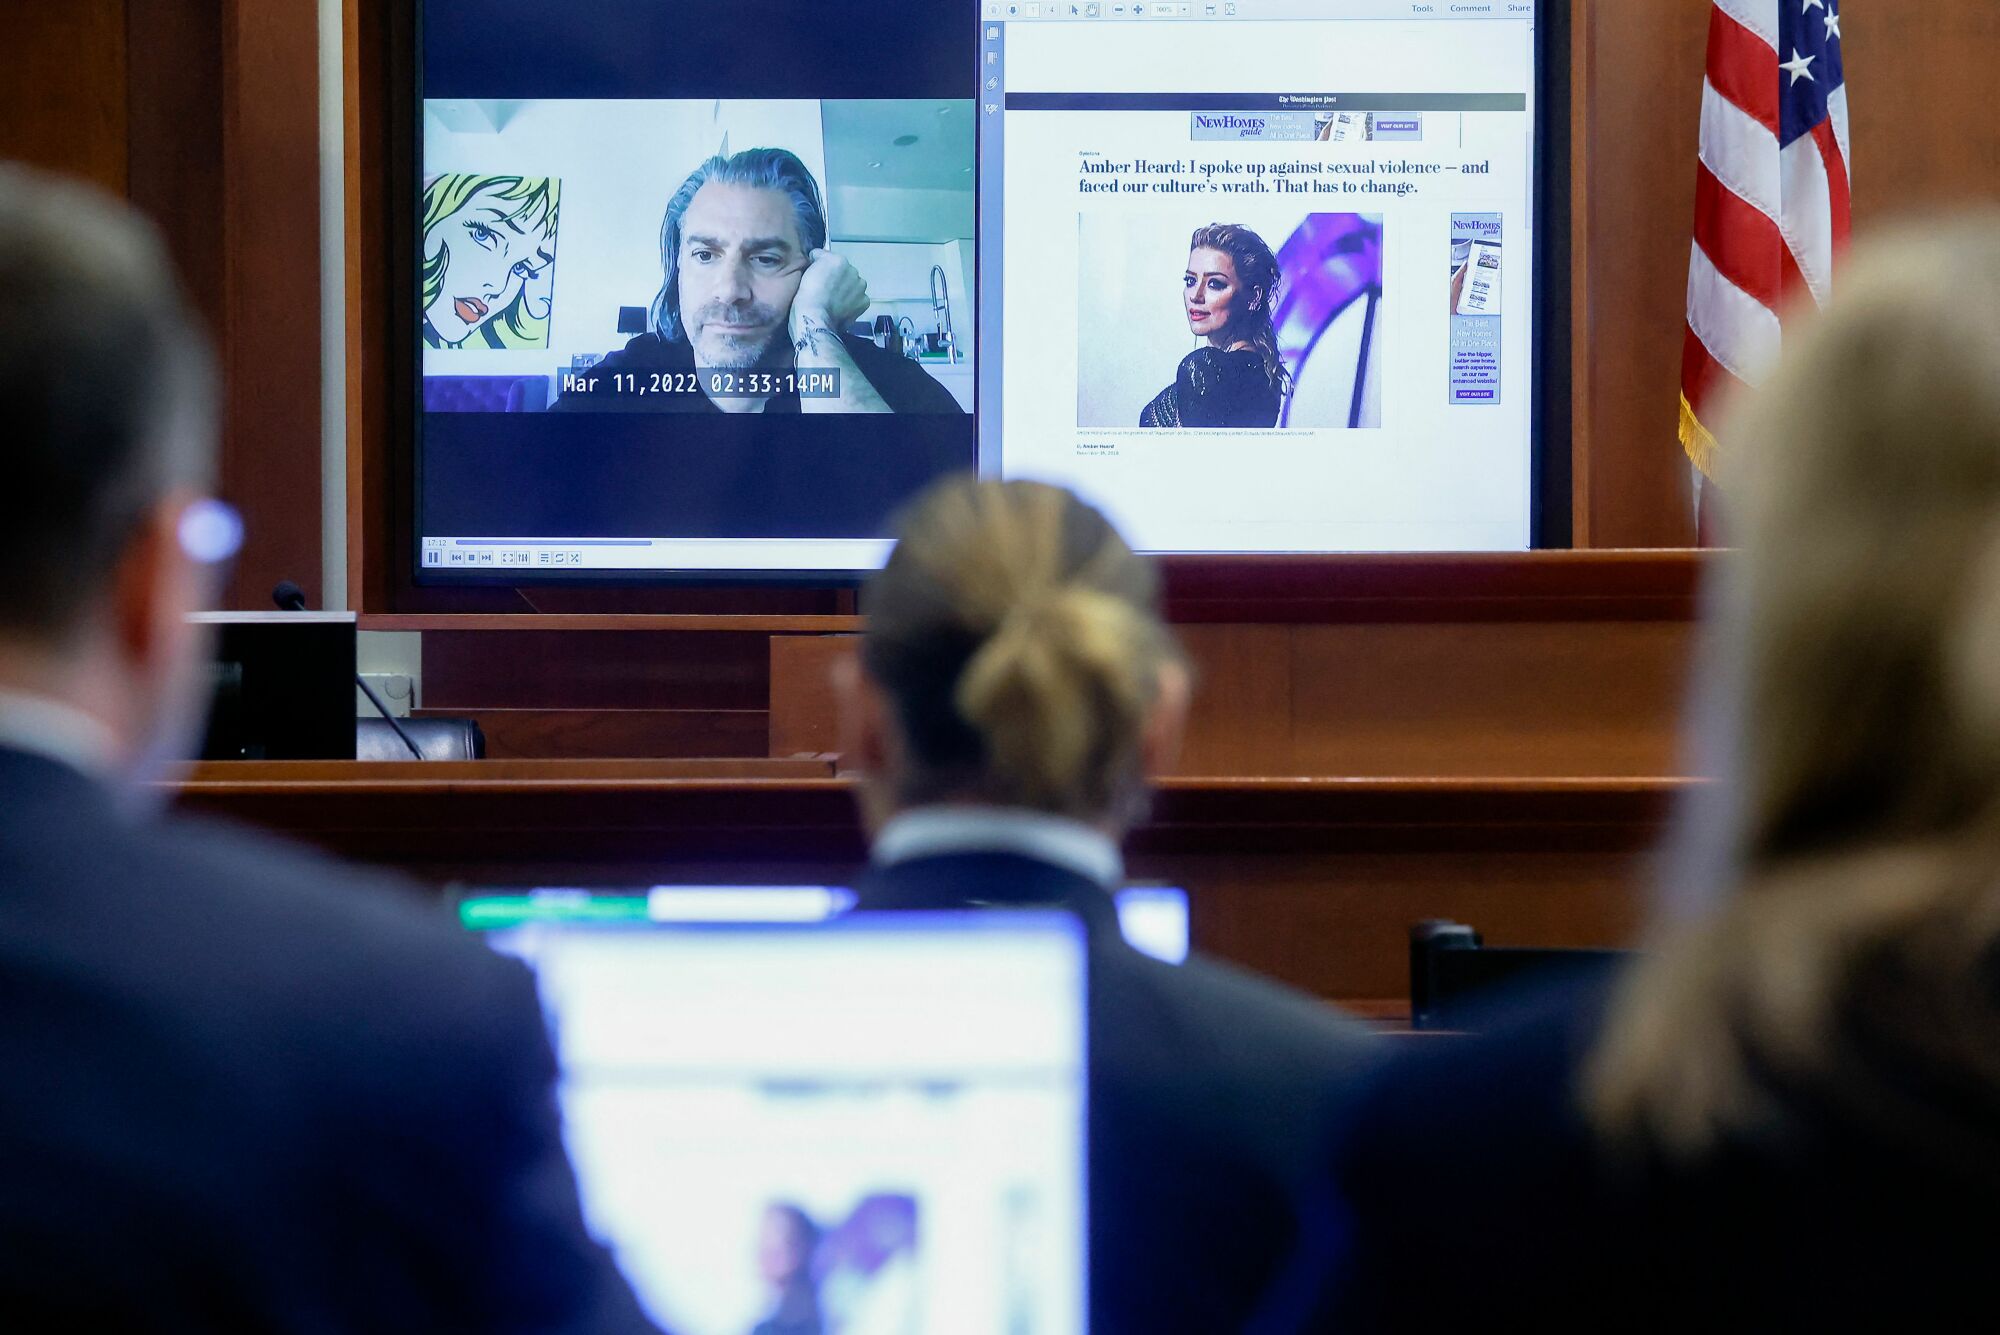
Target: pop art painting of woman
[489, 248]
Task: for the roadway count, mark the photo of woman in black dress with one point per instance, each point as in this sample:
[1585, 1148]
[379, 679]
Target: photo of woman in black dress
[1236, 377]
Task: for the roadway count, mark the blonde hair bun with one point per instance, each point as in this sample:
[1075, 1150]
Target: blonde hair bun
[1059, 681]
[1020, 641]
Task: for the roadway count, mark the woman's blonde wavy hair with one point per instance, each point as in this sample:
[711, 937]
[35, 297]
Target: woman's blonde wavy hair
[1852, 701]
[540, 201]
[1020, 644]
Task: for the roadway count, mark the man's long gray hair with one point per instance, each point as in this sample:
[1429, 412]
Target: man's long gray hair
[763, 168]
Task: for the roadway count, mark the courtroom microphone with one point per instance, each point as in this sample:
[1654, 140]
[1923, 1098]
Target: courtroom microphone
[291, 598]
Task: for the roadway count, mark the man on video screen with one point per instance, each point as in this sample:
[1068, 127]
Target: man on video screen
[752, 312]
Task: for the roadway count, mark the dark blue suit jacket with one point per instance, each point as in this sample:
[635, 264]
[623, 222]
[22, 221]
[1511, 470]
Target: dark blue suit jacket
[1478, 1197]
[246, 1089]
[1207, 1090]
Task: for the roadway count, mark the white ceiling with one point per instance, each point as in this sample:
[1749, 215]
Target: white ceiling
[859, 134]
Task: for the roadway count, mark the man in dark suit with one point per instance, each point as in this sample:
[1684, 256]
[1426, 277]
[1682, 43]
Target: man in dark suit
[245, 1089]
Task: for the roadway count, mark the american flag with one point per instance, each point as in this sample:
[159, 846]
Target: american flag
[1772, 209]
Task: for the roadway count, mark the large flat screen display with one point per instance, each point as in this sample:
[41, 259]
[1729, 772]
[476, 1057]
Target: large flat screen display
[1258, 275]
[696, 283]
[712, 292]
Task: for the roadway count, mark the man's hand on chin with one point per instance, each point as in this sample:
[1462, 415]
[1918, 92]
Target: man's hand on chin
[831, 294]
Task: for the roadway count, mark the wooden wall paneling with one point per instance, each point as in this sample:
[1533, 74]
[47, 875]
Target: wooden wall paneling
[224, 152]
[749, 600]
[1336, 924]
[804, 710]
[368, 110]
[1535, 695]
[604, 670]
[1241, 723]
[1922, 124]
[176, 149]
[1435, 587]
[1544, 664]
[1314, 882]
[205, 113]
[63, 104]
[1500, 698]
[271, 361]
[599, 822]
[605, 693]
[617, 734]
[1243, 712]
[1639, 72]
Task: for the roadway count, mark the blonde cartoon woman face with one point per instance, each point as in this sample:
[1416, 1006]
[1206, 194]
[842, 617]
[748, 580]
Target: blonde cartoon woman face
[489, 254]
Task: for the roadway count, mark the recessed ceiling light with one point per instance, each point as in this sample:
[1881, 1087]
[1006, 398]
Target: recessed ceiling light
[965, 169]
[944, 110]
[875, 164]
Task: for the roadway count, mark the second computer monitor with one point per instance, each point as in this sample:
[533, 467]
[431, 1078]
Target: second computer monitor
[875, 1123]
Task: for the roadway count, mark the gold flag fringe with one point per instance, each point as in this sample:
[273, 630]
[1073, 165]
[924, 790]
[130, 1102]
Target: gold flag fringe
[1697, 440]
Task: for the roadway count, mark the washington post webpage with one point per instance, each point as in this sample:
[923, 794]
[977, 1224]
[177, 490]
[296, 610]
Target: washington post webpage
[1261, 273]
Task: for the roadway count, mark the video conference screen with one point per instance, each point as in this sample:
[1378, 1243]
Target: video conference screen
[714, 292]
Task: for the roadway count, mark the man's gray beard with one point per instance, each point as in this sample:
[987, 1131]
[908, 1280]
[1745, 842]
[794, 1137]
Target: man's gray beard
[735, 354]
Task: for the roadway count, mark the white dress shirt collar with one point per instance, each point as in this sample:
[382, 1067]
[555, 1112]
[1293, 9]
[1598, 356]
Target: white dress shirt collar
[944, 830]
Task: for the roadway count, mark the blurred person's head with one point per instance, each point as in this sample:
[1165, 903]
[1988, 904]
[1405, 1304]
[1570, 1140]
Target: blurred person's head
[1015, 656]
[735, 242]
[1851, 703]
[786, 1240]
[106, 538]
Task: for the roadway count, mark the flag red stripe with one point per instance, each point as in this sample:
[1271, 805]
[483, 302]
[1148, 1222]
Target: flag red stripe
[1741, 241]
[1704, 380]
[1753, 203]
[1836, 183]
[1744, 69]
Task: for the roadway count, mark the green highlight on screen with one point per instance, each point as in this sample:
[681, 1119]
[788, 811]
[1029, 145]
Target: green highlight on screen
[685, 905]
[487, 913]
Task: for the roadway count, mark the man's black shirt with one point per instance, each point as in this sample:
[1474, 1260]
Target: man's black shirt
[664, 380]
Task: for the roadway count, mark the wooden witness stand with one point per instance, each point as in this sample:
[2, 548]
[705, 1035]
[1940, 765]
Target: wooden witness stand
[1376, 740]
[1310, 880]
